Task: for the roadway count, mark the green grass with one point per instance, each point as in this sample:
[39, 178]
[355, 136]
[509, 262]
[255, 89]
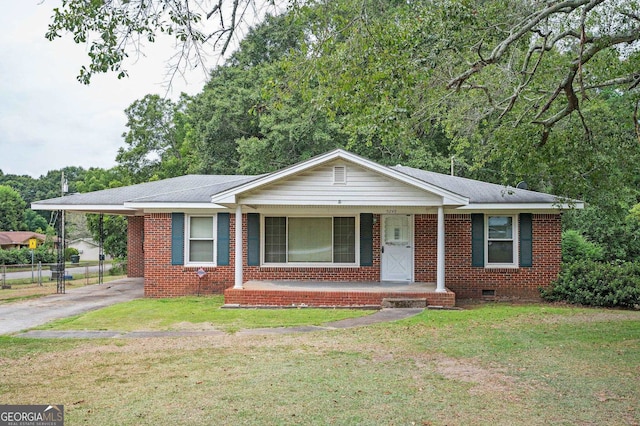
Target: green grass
[16, 349]
[196, 313]
[490, 365]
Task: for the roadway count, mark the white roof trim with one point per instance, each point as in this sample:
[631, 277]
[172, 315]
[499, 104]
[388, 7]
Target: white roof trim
[524, 206]
[156, 206]
[231, 196]
[83, 207]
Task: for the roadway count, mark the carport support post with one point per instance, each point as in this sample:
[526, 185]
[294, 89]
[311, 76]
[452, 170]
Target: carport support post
[440, 250]
[238, 253]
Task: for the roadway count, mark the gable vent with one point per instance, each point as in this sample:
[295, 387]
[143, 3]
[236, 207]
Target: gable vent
[339, 174]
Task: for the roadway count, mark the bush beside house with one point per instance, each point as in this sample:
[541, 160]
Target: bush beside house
[586, 280]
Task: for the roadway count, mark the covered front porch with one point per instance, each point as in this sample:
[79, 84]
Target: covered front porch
[336, 294]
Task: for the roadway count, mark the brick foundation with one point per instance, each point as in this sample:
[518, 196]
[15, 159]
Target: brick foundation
[328, 298]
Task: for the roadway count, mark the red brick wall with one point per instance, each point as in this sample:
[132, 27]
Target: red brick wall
[135, 250]
[165, 280]
[467, 281]
[162, 279]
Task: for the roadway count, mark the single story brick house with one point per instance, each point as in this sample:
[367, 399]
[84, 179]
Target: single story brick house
[337, 229]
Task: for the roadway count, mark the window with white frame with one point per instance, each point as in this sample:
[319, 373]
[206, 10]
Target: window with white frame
[201, 233]
[310, 240]
[501, 240]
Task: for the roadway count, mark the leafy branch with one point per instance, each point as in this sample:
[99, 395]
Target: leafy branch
[543, 31]
[115, 28]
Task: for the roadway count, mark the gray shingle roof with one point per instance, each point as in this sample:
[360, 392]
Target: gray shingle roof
[189, 188]
[196, 189]
[478, 192]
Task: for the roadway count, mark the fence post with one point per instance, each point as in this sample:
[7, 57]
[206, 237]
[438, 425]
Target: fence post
[40, 273]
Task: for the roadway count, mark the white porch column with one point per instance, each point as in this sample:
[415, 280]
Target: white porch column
[238, 262]
[440, 253]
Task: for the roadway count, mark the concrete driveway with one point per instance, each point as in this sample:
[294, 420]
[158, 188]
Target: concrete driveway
[18, 316]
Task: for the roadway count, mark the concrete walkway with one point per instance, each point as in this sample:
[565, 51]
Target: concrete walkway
[18, 316]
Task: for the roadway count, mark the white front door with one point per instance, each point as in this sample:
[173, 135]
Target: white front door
[396, 261]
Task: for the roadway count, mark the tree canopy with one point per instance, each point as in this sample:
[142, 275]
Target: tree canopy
[543, 92]
[11, 209]
[547, 55]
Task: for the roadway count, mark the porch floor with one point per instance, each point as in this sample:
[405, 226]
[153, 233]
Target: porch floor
[386, 286]
[331, 294]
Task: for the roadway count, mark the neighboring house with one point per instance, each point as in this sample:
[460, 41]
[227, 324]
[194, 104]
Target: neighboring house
[19, 239]
[332, 223]
[87, 248]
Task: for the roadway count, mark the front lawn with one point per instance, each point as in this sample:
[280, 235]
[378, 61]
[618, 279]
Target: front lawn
[489, 365]
[196, 313]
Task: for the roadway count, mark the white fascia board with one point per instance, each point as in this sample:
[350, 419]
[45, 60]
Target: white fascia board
[227, 199]
[109, 208]
[547, 207]
[230, 196]
[458, 200]
[338, 204]
[173, 207]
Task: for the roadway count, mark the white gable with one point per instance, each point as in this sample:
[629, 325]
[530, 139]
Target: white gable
[339, 183]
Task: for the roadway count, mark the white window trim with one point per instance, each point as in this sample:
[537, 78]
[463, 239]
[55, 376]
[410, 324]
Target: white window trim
[515, 238]
[187, 239]
[356, 263]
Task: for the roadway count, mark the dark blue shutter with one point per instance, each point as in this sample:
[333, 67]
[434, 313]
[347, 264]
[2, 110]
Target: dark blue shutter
[223, 239]
[253, 239]
[177, 238]
[366, 239]
[477, 240]
[526, 240]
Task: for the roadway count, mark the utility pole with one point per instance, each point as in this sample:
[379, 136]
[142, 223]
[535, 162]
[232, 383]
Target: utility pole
[64, 188]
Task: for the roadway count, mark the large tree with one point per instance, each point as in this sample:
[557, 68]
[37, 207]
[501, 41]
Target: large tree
[154, 141]
[11, 210]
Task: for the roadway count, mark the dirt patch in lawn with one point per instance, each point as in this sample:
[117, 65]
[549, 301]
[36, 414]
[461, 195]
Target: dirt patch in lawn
[483, 380]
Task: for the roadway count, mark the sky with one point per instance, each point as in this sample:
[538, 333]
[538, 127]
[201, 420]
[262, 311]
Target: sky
[49, 120]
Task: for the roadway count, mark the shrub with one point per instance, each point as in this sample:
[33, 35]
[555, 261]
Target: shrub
[70, 251]
[576, 247]
[592, 283]
[23, 256]
[118, 267]
[44, 255]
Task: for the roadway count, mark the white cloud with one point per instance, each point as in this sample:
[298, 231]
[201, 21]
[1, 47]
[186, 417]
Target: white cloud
[48, 120]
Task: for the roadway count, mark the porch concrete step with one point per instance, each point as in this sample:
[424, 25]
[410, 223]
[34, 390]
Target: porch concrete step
[399, 302]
